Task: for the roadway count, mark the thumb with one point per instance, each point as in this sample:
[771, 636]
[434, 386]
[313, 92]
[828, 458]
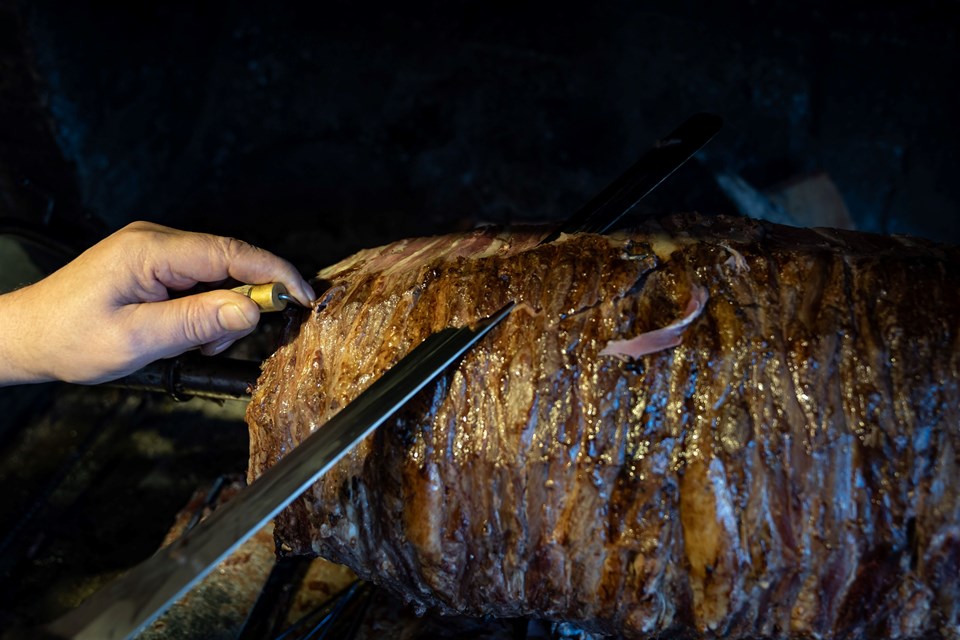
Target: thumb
[201, 319]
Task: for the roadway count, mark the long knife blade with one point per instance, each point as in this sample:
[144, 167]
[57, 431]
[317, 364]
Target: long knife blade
[136, 599]
[653, 167]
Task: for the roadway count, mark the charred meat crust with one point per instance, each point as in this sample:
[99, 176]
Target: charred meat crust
[789, 470]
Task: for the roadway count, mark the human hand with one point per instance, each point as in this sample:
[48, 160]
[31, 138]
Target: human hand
[109, 312]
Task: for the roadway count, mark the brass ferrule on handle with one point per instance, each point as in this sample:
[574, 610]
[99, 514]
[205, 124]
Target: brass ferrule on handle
[269, 297]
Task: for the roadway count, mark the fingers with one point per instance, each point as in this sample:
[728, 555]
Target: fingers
[212, 321]
[214, 348]
[179, 260]
[249, 264]
[145, 260]
[108, 312]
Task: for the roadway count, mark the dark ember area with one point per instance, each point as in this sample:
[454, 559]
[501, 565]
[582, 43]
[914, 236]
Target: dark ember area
[318, 129]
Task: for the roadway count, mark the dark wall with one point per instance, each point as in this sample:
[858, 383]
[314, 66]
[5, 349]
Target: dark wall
[353, 123]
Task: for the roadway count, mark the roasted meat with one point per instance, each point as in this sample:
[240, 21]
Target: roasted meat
[707, 425]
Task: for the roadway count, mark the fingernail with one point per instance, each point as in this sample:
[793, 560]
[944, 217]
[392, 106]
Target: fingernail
[233, 318]
[216, 347]
[310, 293]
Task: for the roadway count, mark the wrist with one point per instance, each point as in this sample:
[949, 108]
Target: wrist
[18, 341]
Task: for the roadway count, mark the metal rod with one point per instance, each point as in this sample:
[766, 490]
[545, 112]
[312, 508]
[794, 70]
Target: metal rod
[195, 376]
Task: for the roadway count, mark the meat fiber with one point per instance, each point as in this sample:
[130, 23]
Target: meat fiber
[786, 465]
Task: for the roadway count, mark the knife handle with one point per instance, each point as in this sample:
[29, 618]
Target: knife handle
[271, 296]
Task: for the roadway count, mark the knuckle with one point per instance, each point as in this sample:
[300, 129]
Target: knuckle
[137, 225]
[139, 228]
[137, 237]
[195, 324]
[233, 247]
[236, 249]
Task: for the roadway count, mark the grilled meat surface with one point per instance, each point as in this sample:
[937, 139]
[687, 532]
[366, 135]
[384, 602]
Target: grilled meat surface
[789, 469]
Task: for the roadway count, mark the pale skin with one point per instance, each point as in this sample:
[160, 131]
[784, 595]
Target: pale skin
[109, 312]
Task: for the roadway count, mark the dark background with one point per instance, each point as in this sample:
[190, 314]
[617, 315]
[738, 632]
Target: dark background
[316, 131]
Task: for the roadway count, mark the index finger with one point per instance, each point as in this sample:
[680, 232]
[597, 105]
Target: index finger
[181, 259]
